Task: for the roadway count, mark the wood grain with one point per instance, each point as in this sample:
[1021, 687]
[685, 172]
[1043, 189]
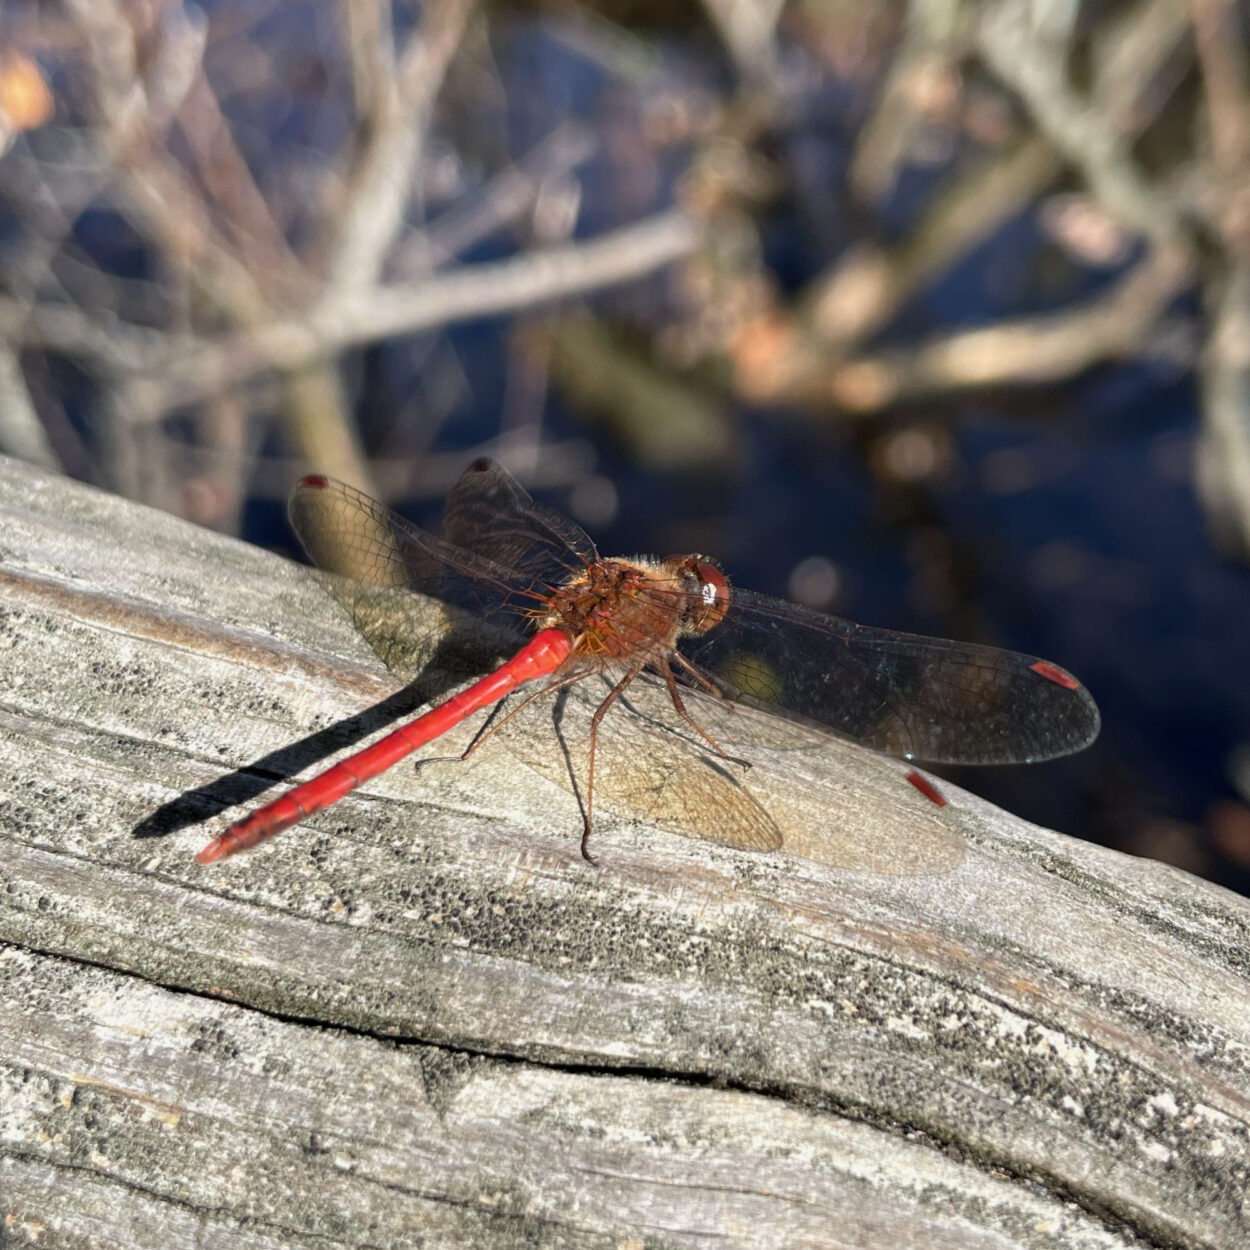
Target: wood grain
[421, 1019]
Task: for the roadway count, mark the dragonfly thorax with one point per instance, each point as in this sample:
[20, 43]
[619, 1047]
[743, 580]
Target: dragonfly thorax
[619, 609]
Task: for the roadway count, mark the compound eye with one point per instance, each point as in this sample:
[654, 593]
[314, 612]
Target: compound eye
[709, 592]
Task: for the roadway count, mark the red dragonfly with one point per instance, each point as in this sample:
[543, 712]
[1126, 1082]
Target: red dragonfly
[529, 571]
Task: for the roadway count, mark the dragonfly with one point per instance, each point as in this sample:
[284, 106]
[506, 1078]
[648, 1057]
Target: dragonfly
[567, 614]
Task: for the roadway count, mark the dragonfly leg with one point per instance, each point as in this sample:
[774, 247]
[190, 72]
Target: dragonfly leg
[675, 694]
[492, 726]
[612, 696]
[566, 680]
[483, 732]
[708, 683]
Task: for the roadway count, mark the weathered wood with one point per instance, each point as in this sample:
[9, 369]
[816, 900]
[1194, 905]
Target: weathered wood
[421, 1019]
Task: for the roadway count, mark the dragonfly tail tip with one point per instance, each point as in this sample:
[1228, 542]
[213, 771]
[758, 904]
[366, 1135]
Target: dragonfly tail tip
[215, 850]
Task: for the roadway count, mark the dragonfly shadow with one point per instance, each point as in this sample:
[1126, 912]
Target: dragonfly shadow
[448, 667]
[558, 709]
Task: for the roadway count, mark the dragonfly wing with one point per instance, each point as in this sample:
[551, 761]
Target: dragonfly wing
[350, 535]
[491, 514]
[920, 698]
[646, 769]
[652, 767]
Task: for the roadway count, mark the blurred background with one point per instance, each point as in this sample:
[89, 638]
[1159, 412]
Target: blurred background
[935, 315]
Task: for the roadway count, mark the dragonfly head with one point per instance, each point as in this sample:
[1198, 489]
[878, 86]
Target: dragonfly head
[706, 588]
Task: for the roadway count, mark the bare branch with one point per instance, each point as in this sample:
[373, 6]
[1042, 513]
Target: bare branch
[1036, 69]
[1224, 78]
[371, 52]
[509, 194]
[1223, 459]
[748, 29]
[21, 432]
[155, 187]
[866, 289]
[934, 30]
[783, 360]
[383, 180]
[255, 236]
[1038, 349]
[103, 342]
[462, 295]
[1221, 53]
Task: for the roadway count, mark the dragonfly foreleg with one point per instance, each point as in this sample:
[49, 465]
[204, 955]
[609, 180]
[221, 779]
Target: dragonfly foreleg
[705, 681]
[675, 694]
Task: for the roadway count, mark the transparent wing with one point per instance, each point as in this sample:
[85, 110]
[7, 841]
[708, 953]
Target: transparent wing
[499, 552]
[489, 513]
[646, 768]
[921, 698]
[651, 767]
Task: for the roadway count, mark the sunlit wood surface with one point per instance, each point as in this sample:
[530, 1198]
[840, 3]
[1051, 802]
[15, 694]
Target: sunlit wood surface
[422, 1019]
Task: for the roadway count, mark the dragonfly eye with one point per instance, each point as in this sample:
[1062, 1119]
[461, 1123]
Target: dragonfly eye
[708, 589]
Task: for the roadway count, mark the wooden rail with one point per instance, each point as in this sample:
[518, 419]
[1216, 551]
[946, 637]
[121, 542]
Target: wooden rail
[421, 1019]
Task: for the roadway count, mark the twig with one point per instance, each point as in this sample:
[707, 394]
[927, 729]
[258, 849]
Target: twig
[1221, 53]
[371, 53]
[1223, 459]
[96, 339]
[1036, 70]
[509, 194]
[256, 237]
[1223, 456]
[155, 187]
[748, 29]
[1224, 80]
[934, 31]
[383, 179]
[1038, 349]
[863, 292]
[525, 281]
[183, 373]
[786, 361]
[21, 432]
